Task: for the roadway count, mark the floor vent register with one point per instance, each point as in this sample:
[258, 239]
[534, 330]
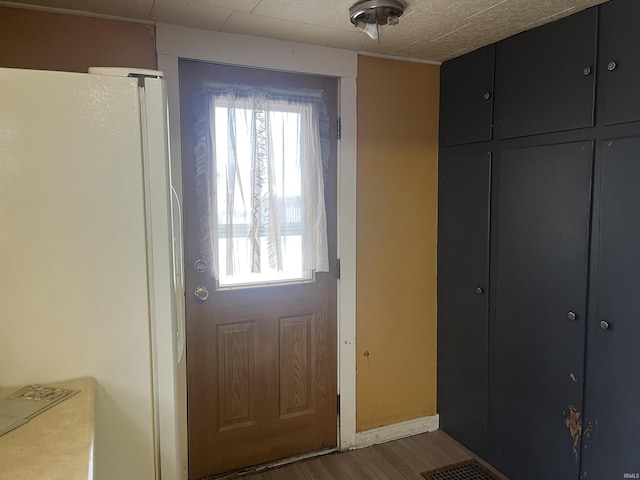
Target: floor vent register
[469, 470]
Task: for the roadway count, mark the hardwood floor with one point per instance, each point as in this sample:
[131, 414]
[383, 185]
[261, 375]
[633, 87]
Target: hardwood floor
[401, 459]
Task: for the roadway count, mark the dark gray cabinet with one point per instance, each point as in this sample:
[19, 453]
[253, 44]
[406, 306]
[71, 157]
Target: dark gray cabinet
[466, 88]
[539, 372]
[619, 69]
[540, 252]
[545, 78]
[463, 253]
[612, 424]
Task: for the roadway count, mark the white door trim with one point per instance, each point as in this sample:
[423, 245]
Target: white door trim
[174, 43]
[395, 431]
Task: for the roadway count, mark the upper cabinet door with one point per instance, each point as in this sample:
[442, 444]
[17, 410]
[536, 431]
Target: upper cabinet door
[545, 77]
[466, 98]
[619, 69]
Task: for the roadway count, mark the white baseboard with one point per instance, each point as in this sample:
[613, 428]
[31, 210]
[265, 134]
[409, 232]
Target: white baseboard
[395, 431]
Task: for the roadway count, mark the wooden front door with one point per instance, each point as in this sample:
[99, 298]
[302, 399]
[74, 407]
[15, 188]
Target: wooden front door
[261, 362]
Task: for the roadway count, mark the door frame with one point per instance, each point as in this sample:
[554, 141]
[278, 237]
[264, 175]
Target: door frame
[174, 43]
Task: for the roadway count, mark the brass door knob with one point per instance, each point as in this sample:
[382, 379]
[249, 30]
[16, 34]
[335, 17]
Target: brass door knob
[201, 293]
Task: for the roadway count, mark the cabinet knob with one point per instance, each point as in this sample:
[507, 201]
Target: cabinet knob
[572, 316]
[611, 66]
[604, 325]
[487, 95]
[586, 71]
[479, 290]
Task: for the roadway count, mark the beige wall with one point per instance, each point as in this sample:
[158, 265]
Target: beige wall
[47, 41]
[396, 245]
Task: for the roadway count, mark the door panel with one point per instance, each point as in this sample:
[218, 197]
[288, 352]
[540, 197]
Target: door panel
[463, 242]
[261, 362]
[612, 431]
[466, 98]
[297, 366]
[541, 84]
[618, 82]
[540, 256]
[237, 374]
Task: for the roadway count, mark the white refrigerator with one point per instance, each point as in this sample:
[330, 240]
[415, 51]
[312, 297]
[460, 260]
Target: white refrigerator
[90, 255]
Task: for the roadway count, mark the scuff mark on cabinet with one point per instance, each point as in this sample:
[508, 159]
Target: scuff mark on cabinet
[574, 425]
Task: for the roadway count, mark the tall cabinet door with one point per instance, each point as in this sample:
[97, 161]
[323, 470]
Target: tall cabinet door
[463, 228]
[538, 328]
[612, 429]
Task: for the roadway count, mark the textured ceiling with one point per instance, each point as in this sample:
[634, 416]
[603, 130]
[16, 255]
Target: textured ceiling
[429, 29]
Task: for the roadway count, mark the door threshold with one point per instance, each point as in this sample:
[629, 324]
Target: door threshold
[272, 465]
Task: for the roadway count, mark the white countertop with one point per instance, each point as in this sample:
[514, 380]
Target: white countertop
[56, 444]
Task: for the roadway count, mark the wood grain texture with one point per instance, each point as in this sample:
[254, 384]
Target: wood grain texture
[401, 459]
[236, 375]
[261, 362]
[297, 366]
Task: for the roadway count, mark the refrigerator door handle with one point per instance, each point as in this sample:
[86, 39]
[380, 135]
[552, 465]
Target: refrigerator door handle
[178, 262]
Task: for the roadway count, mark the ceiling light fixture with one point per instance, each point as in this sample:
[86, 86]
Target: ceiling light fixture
[370, 15]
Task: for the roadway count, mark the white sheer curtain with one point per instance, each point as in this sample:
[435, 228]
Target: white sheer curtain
[260, 157]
